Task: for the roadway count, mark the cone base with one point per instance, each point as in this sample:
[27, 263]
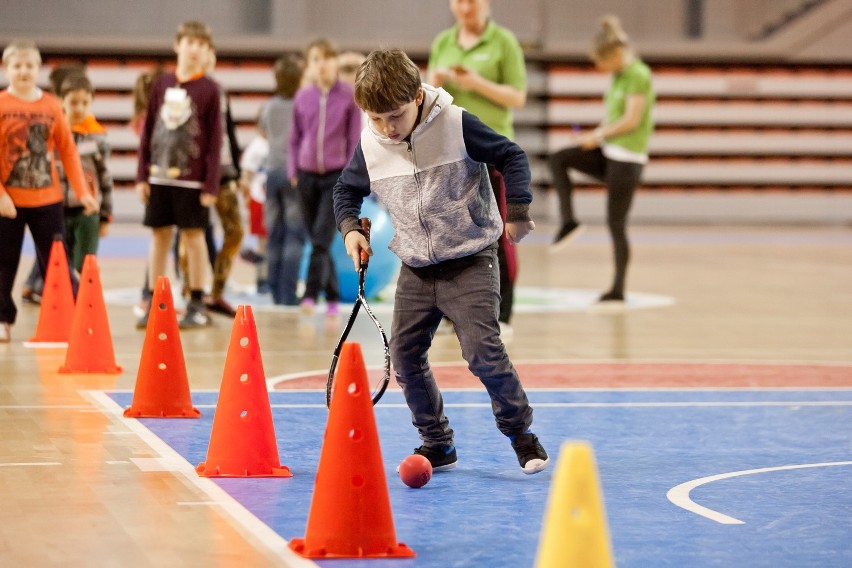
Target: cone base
[112, 370]
[399, 550]
[190, 413]
[280, 471]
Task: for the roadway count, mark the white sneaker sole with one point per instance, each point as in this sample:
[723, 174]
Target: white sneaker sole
[535, 466]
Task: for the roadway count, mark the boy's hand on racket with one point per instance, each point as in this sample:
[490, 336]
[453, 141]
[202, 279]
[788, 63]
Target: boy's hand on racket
[356, 242]
[7, 207]
[516, 231]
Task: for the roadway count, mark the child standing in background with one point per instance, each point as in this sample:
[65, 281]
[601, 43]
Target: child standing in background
[32, 128]
[326, 127]
[253, 188]
[82, 232]
[282, 210]
[179, 158]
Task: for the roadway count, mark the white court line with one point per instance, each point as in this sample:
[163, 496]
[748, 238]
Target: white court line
[679, 495]
[719, 404]
[45, 407]
[28, 464]
[242, 517]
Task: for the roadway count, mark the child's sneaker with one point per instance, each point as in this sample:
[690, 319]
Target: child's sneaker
[531, 455]
[145, 307]
[220, 306]
[251, 256]
[442, 458]
[30, 296]
[196, 316]
[567, 233]
[307, 306]
[332, 309]
[611, 297]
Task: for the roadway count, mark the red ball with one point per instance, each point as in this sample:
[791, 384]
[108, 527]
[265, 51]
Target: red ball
[415, 471]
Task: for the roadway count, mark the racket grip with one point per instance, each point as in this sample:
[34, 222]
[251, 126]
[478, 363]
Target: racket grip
[365, 228]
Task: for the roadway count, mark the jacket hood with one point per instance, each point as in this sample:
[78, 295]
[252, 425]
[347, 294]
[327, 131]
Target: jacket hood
[435, 100]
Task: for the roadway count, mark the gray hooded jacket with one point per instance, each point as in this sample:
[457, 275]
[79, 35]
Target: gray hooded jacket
[435, 184]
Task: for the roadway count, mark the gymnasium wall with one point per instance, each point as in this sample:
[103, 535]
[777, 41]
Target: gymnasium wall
[727, 27]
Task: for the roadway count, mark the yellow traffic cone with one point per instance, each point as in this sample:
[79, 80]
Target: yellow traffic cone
[575, 531]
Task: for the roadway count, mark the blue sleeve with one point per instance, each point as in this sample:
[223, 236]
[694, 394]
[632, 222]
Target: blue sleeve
[349, 192]
[485, 145]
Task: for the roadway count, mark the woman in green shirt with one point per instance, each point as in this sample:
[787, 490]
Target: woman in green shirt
[481, 64]
[616, 151]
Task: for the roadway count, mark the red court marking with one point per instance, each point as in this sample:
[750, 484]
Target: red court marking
[636, 375]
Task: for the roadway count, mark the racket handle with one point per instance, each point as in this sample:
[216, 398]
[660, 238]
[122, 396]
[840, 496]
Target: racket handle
[365, 228]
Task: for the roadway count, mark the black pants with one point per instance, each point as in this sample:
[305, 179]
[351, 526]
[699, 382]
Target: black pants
[318, 211]
[620, 179]
[45, 223]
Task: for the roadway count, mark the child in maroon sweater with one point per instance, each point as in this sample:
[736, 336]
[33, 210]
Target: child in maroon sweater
[179, 163]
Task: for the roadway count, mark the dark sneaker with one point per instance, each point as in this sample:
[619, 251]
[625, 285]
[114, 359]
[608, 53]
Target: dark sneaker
[251, 256]
[196, 316]
[567, 233]
[142, 322]
[611, 297]
[442, 458]
[30, 296]
[220, 306]
[531, 455]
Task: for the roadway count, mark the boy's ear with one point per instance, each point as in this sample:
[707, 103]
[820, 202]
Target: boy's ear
[418, 100]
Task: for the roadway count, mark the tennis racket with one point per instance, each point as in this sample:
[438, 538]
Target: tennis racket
[359, 302]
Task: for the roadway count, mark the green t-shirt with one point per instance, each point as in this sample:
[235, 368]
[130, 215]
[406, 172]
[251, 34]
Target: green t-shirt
[635, 79]
[497, 57]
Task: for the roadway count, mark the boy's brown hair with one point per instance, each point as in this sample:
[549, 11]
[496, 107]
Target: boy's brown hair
[288, 75]
[19, 45]
[76, 82]
[60, 72]
[325, 46]
[386, 80]
[196, 29]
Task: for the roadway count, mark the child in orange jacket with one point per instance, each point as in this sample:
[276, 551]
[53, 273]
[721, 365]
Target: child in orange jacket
[32, 129]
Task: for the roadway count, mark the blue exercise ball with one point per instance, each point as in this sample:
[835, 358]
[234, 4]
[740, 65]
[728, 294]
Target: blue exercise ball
[384, 264]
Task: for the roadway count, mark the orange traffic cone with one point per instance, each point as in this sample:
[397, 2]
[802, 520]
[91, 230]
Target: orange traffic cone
[350, 514]
[57, 302]
[242, 442]
[90, 344]
[162, 388]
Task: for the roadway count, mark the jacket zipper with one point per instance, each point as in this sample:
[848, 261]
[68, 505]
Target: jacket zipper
[321, 133]
[413, 158]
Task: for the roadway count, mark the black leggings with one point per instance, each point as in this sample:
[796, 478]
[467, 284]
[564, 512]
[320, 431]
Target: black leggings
[620, 179]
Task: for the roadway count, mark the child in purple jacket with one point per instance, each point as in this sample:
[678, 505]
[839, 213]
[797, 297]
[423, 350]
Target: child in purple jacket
[326, 128]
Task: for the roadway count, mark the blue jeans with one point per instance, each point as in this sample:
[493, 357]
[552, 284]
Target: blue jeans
[466, 290]
[286, 237]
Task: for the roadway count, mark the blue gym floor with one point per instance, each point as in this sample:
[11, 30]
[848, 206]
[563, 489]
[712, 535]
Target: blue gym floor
[487, 513]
